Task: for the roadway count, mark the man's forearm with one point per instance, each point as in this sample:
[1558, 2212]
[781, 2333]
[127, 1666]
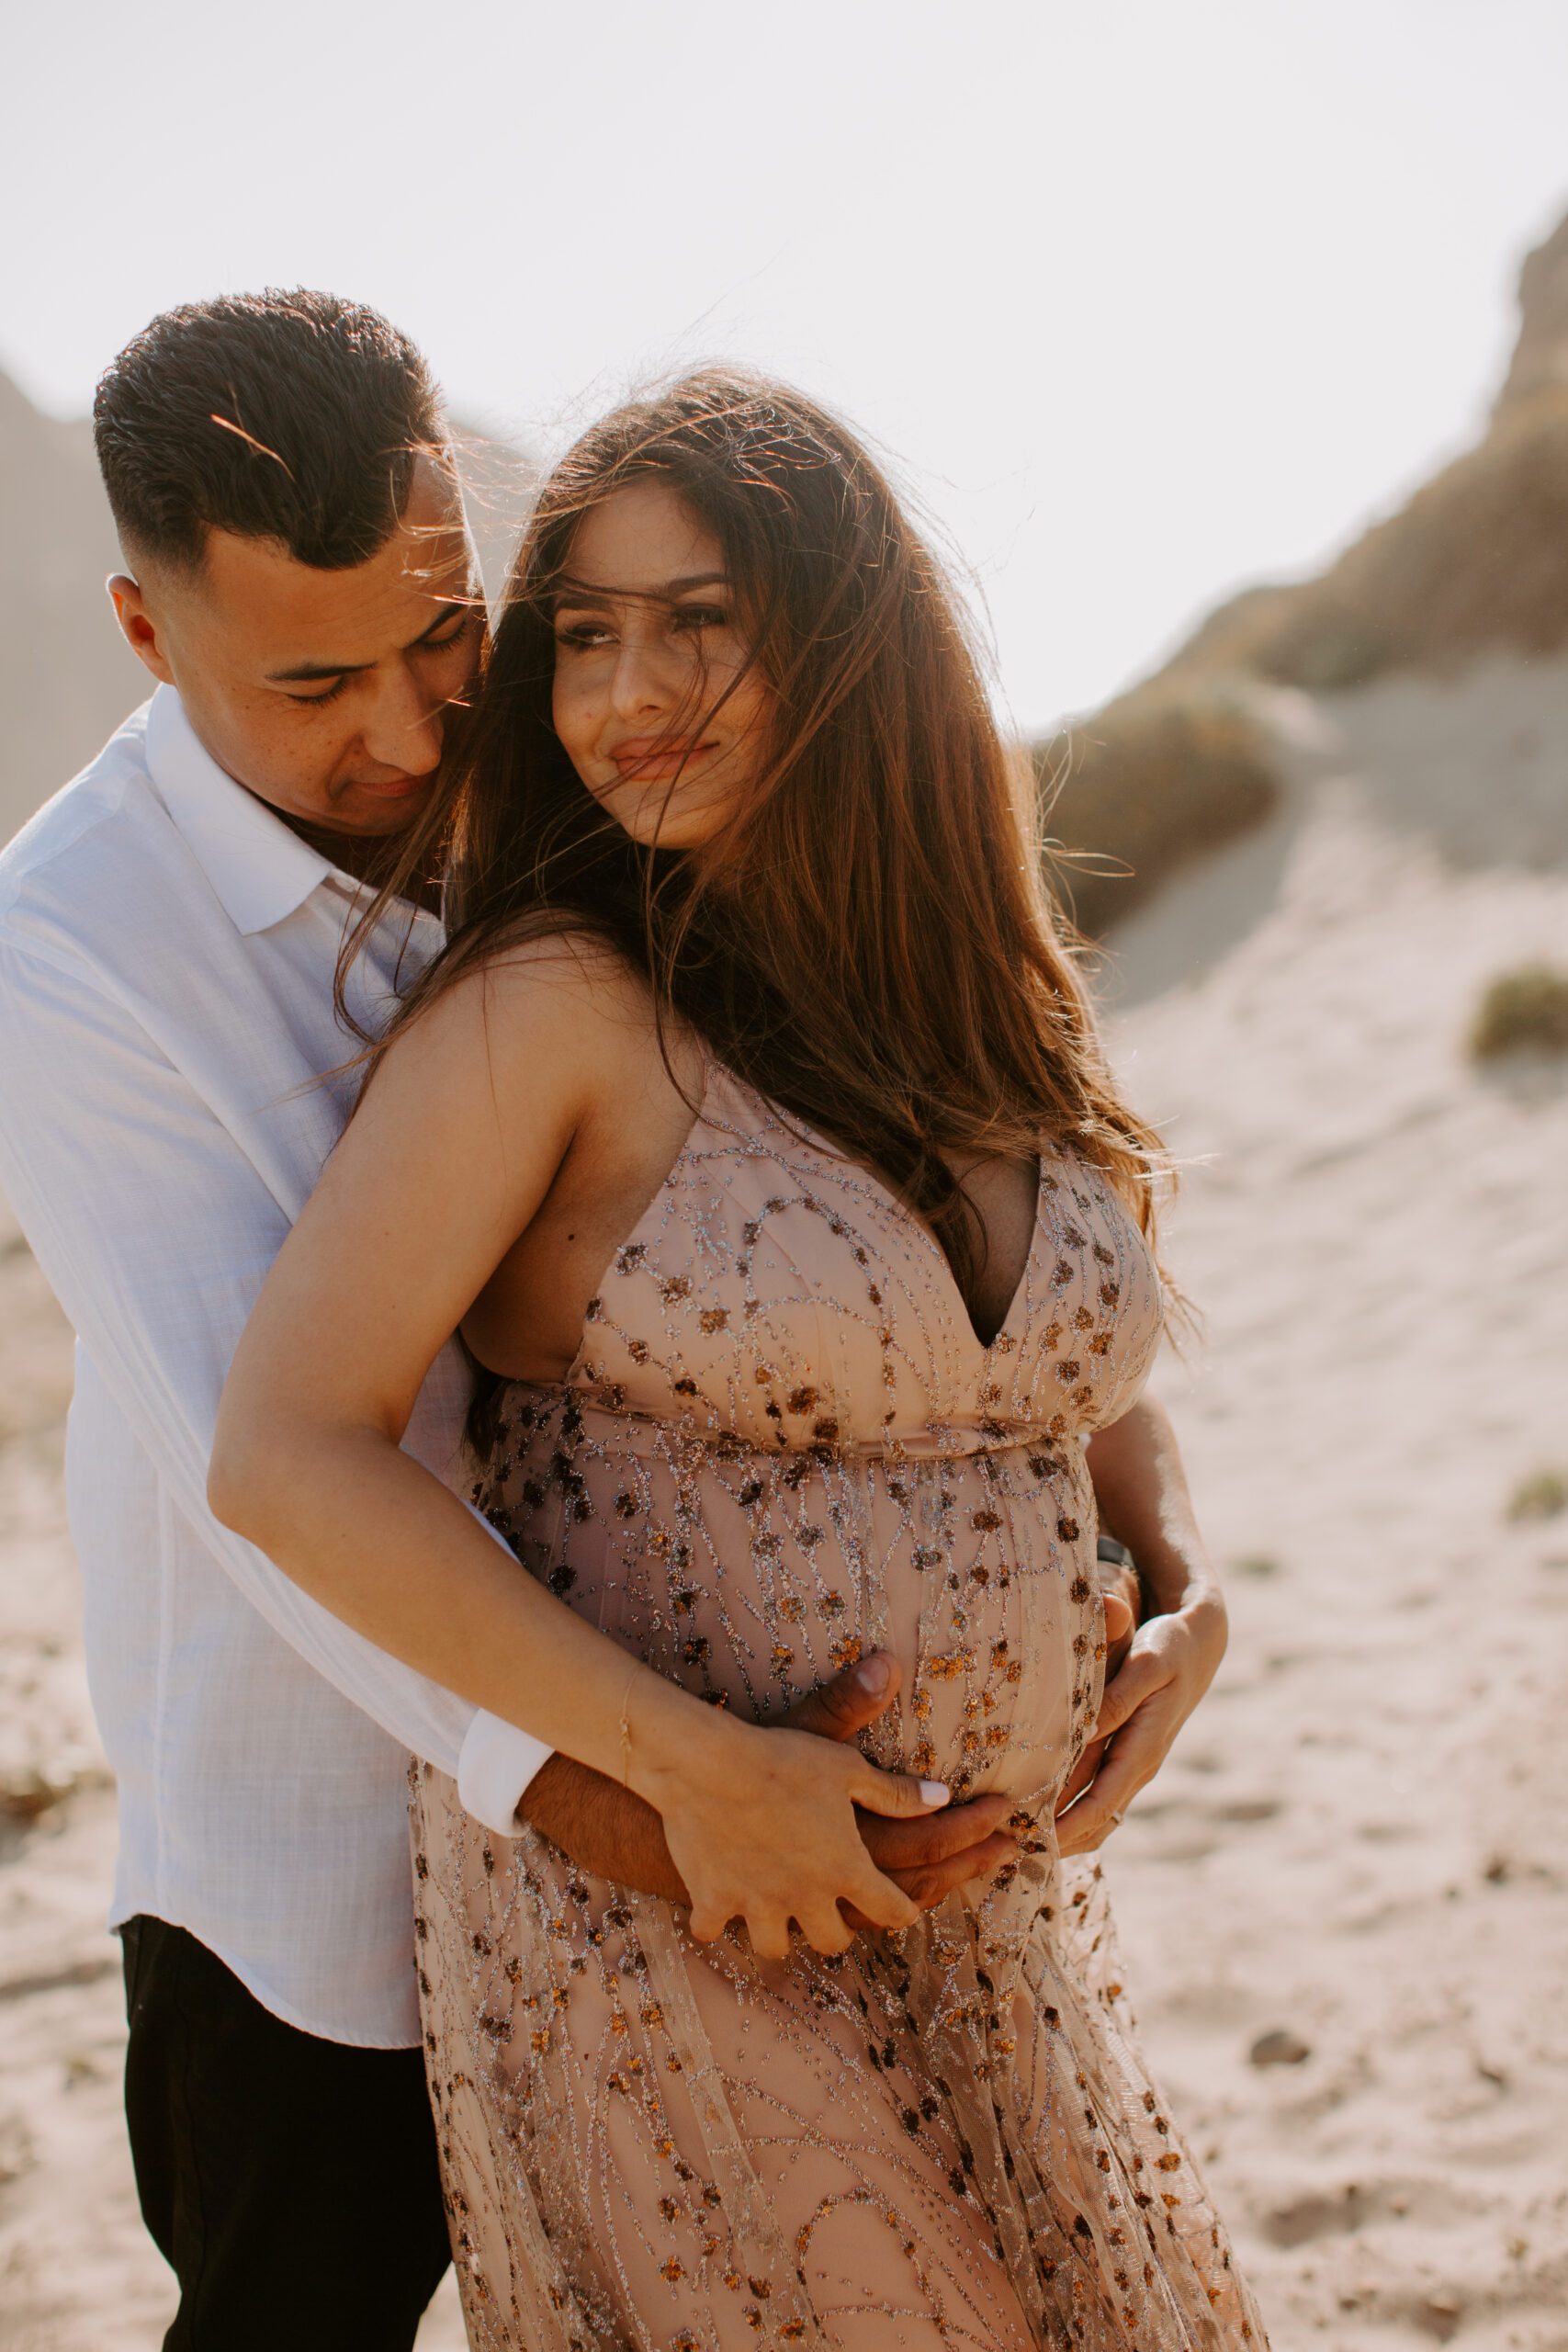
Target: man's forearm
[605, 1829]
[610, 1831]
[1141, 1490]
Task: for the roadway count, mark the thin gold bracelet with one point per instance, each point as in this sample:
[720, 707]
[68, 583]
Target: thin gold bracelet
[626, 1732]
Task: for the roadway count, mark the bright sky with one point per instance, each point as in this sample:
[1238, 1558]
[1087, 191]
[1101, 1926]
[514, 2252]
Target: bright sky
[1146, 298]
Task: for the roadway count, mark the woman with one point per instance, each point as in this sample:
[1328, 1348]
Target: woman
[753, 1129]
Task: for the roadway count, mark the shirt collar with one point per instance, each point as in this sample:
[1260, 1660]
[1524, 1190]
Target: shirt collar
[260, 870]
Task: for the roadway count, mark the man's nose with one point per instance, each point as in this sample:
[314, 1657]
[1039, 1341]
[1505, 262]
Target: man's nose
[403, 729]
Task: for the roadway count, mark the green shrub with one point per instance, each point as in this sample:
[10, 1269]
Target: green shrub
[1540, 1496]
[1524, 1011]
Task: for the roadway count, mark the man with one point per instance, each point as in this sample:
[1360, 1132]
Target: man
[300, 583]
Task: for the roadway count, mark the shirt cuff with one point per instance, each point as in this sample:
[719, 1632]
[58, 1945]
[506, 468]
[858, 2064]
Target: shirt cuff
[495, 1766]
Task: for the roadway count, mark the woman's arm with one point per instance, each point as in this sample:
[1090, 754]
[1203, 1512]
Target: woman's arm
[1141, 1489]
[455, 1144]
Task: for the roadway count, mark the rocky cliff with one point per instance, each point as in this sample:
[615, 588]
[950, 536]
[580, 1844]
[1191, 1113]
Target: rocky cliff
[1473, 568]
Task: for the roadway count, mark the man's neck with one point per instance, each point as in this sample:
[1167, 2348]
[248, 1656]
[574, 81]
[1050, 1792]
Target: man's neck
[371, 858]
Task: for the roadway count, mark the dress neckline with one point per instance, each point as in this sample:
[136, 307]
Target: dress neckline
[757, 1106]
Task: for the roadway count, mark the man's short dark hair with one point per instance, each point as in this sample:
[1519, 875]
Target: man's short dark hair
[289, 416]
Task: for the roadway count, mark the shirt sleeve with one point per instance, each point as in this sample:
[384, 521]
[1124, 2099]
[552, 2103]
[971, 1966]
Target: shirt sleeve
[156, 1232]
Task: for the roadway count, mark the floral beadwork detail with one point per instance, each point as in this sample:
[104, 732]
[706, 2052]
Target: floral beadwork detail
[782, 1444]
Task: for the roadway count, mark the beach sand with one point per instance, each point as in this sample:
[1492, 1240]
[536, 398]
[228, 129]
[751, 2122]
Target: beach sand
[1361, 1843]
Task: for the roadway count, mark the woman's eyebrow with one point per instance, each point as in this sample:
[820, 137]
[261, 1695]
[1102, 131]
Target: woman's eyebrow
[578, 592]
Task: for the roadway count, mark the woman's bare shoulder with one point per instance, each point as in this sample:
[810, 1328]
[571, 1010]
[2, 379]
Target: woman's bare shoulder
[568, 997]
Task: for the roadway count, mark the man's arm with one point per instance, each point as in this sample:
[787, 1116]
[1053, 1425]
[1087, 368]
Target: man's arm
[1141, 1489]
[610, 1831]
[155, 1233]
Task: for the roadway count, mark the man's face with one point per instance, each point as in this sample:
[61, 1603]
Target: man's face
[322, 691]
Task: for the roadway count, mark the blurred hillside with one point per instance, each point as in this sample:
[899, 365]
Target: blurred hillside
[66, 677]
[1473, 567]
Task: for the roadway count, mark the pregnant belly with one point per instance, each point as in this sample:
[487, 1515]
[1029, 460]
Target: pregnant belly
[752, 1579]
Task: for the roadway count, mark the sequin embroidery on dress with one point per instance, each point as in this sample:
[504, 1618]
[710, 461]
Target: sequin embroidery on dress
[782, 1442]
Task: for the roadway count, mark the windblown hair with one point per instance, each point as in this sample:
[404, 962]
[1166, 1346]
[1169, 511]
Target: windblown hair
[290, 416]
[867, 941]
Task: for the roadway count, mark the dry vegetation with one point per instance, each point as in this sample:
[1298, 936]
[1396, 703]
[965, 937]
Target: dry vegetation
[1524, 1011]
[1156, 779]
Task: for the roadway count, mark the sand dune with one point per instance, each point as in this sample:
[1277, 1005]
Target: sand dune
[1359, 1845]
[1359, 1841]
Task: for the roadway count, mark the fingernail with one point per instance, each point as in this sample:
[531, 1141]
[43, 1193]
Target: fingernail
[876, 1673]
[935, 1792]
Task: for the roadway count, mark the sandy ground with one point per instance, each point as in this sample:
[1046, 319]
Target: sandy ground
[1359, 1843]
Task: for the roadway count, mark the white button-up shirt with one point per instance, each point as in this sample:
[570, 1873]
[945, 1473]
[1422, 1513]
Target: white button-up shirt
[167, 949]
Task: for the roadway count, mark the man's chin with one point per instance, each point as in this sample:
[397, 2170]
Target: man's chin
[381, 808]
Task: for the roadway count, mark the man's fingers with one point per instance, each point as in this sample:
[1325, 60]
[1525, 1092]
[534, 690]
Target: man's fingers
[1118, 1619]
[851, 1701]
[927, 1886]
[895, 1845]
[1120, 1581]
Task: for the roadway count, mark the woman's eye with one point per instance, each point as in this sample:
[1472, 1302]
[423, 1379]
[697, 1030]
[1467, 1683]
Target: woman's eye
[583, 633]
[331, 694]
[694, 616]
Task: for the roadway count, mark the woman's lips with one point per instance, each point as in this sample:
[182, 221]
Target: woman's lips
[657, 759]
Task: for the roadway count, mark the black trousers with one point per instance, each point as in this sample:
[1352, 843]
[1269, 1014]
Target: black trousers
[291, 2183]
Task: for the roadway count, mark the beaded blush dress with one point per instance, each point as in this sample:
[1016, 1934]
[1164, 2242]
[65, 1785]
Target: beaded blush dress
[782, 1443]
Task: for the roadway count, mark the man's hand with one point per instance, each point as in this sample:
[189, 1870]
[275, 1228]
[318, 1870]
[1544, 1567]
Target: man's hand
[612, 1833]
[928, 1859]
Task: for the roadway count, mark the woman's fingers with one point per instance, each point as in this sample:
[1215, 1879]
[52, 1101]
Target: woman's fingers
[828, 1931]
[769, 1939]
[880, 1901]
[1082, 1773]
[1145, 1672]
[1136, 1753]
[1090, 1821]
[897, 1796]
[772, 1833]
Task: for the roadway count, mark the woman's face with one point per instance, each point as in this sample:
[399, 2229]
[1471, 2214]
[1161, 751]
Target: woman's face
[648, 639]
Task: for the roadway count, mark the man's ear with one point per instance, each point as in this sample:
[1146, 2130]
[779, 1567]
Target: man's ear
[141, 632]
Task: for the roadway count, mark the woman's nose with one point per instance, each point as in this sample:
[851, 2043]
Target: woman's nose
[643, 684]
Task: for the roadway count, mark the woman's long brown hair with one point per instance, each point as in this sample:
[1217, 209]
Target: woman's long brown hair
[868, 940]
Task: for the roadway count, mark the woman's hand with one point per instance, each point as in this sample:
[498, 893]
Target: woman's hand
[1171, 1663]
[612, 1833]
[761, 1824]
[1140, 1490]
